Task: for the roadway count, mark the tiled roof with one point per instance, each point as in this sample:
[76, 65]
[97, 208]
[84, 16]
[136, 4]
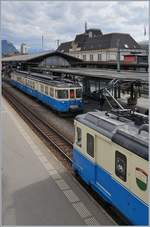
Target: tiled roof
[64, 47]
[100, 41]
[125, 41]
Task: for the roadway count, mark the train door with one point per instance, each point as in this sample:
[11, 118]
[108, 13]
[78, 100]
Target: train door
[90, 153]
[72, 99]
[72, 93]
[121, 180]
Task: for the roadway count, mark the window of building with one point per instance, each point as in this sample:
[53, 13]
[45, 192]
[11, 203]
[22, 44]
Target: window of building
[126, 46]
[84, 57]
[79, 137]
[90, 145]
[99, 57]
[51, 91]
[91, 57]
[78, 93]
[61, 94]
[46, 90]
[121, 165]
[90, 34]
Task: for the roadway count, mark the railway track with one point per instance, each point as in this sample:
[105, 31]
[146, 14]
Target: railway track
[61, 143]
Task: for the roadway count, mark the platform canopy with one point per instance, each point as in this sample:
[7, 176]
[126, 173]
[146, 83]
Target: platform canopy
[103, 73]
[54, 57]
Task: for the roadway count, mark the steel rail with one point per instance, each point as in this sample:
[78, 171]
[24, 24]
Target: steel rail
[51, 134]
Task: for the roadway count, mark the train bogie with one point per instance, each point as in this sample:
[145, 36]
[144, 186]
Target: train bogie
[115, 171]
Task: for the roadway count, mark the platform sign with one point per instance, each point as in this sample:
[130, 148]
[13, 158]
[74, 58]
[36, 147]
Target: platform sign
[141, 179]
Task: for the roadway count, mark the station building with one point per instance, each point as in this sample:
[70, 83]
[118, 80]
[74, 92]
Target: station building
[94, 46]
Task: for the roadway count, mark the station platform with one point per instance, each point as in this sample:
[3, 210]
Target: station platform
[36, 187]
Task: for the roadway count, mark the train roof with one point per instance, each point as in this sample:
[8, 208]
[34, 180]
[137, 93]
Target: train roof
[124, 132]
[53, 81]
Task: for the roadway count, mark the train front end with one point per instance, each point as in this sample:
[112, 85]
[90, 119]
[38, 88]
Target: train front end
[76, 100]
[69, 99]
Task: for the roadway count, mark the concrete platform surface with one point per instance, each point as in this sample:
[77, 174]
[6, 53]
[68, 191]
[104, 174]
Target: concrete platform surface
[36, 188]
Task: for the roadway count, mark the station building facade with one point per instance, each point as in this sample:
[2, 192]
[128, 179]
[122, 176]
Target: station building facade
[93, 45]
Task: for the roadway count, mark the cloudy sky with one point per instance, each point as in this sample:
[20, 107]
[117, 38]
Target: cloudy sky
[27, 21]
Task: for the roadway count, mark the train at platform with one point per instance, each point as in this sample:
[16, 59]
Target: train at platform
[63, 96]
[110, 151]
[110, 154]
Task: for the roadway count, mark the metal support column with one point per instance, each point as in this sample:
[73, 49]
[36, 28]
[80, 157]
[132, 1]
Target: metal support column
[119, 92]
[86, 87]
[115, 93]
[99, 85]
[118, 55]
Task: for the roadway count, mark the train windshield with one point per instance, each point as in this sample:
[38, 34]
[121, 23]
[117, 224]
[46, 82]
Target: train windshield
[62, 94]
[78, 93]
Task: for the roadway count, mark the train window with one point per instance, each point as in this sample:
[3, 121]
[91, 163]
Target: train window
[33, 84]
[78, 93]
[121, 165]
[46, 90]
[72, 94]
[27, 82]
[30, 83]
[90, 145]
[79, 137]
[51, 91]
[61, 94]
[42, 87]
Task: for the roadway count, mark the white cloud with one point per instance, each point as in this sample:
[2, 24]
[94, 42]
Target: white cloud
[27, 21]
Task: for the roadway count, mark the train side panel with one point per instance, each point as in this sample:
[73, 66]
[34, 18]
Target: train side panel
[60, 105]
[101, 173]
[29, 91]
[130, 199]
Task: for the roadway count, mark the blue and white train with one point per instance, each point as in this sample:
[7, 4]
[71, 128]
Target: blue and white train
[111, 156]
[62, 96]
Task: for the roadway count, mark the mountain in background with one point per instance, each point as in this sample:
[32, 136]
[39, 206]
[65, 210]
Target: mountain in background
[36, 50]
[8, 48]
